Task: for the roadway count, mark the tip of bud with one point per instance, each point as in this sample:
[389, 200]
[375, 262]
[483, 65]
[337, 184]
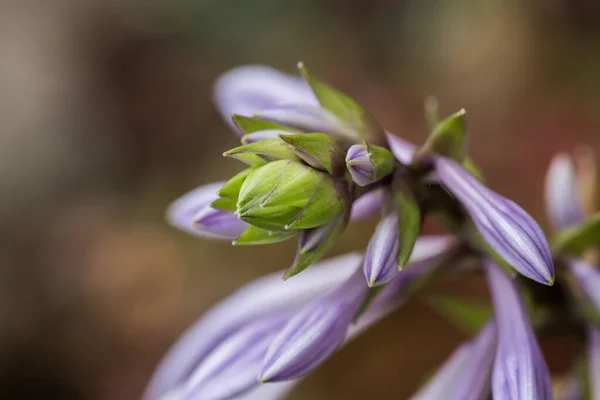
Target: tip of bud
[300, 65]
[371, 283]
[400, 267]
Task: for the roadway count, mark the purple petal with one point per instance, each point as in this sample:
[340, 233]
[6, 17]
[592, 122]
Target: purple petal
[314, 333]
[562, 201]
[305, 117]
[220, 223]
[593, 353]
[359, 164]
[368, 204]
[381, 258]
[520, 371]
[246, 89]
[466, 373]
[183, 214]
[402, 149]
[589, 279]
[511, 232]
[263, 297]
[233, 365]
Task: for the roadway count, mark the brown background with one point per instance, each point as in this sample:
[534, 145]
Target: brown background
[106, 117]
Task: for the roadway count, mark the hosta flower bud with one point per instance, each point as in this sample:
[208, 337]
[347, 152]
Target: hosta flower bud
[588, 278]
[520, 371]
[505, 226]
[285, 195]
[563, 205]
[381, 258]
[368, 163]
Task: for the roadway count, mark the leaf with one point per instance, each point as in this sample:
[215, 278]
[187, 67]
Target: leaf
[577, 239]
[319, 150]
[269, 149]
[231, 188]
[253, 124]
[448, 139]
[410, 220]
[345, 108]
[225, 204]
[254, 235]
[466, 314]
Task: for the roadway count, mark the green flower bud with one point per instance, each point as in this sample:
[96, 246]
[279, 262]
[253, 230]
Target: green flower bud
[285, 194]
[254, 235]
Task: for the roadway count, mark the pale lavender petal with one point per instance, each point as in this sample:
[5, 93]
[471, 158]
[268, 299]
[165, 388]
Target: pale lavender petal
[381, 259]
[263, 297]
[368, 204]
[307, 118]
[314, 333]
[509, 230]
[219, 223]
[402, 149]
[246, 89]
[466, 373]
[520, 371]
[562, 199]
[234, 364]
[589, 279]
[183, 213]
[359, 164]
[593, 353]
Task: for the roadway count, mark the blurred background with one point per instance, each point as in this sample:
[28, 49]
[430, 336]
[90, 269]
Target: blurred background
[106, 117]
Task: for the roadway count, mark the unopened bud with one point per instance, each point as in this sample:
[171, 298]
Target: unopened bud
[368, 163]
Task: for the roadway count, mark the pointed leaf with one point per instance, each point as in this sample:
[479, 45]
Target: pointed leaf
[231, 188]
[579, 238]
[345, 108]
[468, 315]
[270, 149]
[252, 124]
[224, 204]
[319, 150]
[254, 235]
[448, 139]
[410, 220]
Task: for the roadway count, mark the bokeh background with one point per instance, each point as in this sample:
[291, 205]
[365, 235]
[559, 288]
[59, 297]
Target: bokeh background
[106, 117]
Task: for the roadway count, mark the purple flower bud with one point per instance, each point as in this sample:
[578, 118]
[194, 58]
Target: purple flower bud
[562, 201]
[368, 204]
[520, 371]
[246, 89]
[233, 365]
[466, 373]
[589, 278]
[508, 229]
[192, 213]
[368, 164]
[314, 333]
[593, 353]
[381, 258]
[264, 298]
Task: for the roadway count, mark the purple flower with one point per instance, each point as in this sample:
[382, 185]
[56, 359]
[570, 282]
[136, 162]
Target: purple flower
[588, 278]
[508, 229]
[313, 333]
[381, 258]
[593, 353]
[520, 371]
[368, 204]
[402, 149]
[563, 204]
[360, 165]
[247, 89]
[192, 213]
[466, 373]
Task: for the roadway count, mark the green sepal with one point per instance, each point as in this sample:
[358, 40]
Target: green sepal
[254, 235]
[318, 150]
[466, 314]
[311, 249]
[410, 219]
[225, 204]
[577, 239]
[231, 188]
[382, 158]
[254, 124]
[473, 169]
[448, 139]
[269, 149]
[345, 108]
